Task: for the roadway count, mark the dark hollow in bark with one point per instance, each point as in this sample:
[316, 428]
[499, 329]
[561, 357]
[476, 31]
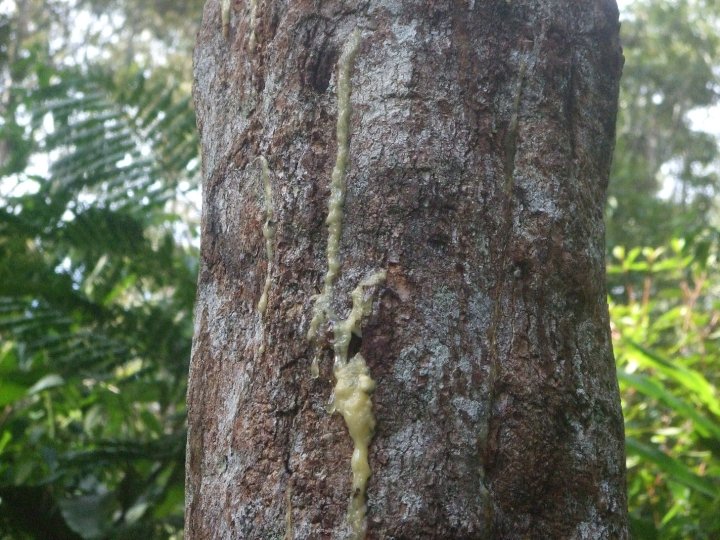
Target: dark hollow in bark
[480, 139]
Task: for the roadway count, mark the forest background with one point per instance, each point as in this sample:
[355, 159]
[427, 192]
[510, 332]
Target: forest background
[99, 233]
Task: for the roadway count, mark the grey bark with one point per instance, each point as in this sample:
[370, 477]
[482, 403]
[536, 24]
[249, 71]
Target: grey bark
[481, 135]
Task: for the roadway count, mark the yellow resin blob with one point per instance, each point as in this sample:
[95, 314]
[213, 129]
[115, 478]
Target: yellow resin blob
[352, 400]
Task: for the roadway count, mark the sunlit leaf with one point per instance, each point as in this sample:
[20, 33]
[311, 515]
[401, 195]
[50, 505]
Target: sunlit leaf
[48, 381]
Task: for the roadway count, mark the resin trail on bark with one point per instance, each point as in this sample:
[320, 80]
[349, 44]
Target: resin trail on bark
[353, 381]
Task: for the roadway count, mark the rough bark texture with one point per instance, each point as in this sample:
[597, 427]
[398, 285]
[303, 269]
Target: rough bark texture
[481, 135]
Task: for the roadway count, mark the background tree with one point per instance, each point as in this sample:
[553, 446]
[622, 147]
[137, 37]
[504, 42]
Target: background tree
[664, 181]
[464, 149]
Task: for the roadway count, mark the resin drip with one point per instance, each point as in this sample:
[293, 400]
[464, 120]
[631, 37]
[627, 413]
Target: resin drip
[351, 398]
[268, 232]
[323, 309]
[354, 385]
[253, 25]
[225, 17]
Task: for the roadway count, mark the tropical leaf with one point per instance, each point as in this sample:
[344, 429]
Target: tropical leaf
[96, 305]
[706, 426]
[675, 468]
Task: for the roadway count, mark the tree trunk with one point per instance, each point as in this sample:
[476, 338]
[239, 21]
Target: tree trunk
[402, 235]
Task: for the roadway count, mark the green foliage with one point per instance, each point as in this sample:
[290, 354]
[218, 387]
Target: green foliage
[96, 292]
[664, 300]
[97, 268]
[665, 307]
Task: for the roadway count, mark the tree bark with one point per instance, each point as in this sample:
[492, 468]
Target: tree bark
[474, 158]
